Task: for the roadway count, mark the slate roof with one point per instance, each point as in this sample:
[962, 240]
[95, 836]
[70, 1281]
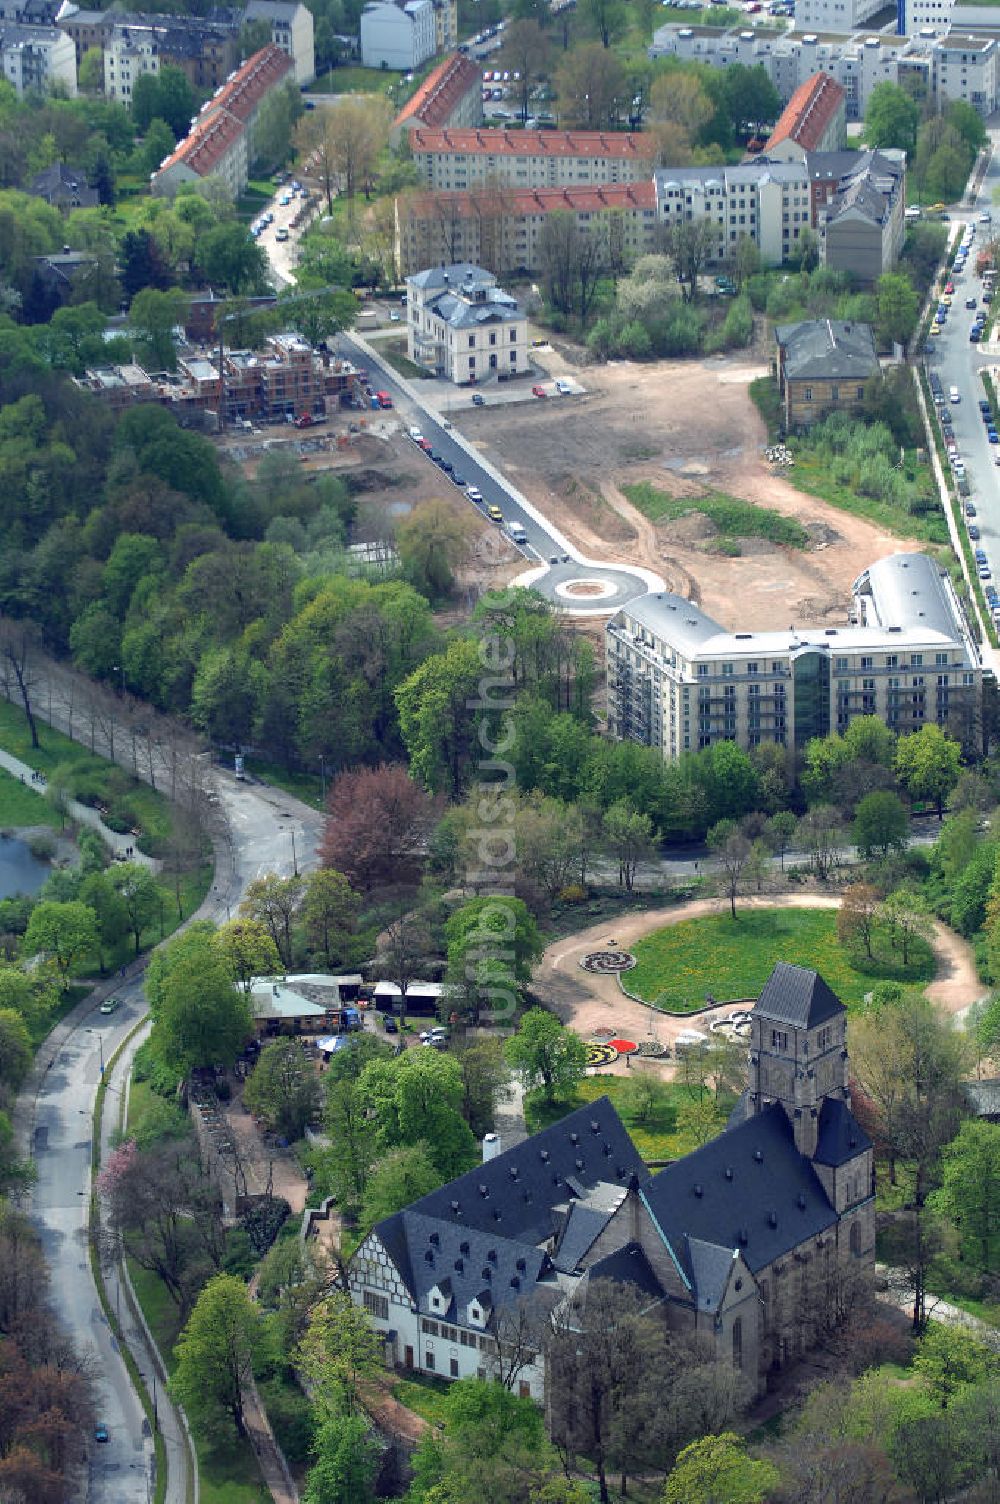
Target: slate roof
[749, 1189]
[466, 1265]
[827, 350]
[797, 996]
[586, 1221]
[628, 1266]
[62, 183]
[459, 312]
[711, 1265]
[840, 1137]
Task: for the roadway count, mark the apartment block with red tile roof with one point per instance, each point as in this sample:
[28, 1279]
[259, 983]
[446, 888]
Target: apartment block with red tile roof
[501, 228]
[220, 143]
[455, 160]
[450, 96]
[814, 119]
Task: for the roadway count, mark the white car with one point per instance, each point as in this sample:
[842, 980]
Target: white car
[564, 388]
[415, 435]
[985, 219]
[474, 493]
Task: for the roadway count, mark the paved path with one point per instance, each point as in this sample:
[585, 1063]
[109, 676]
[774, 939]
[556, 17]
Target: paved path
[588, 1002]
[900, 1293]
[119, 845]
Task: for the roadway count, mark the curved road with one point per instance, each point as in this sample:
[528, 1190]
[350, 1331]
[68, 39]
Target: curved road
[268, 831]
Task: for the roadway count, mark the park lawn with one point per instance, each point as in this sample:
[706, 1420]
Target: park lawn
[398, 360]
[657, 1138]
[353, 79]
[733, 517]
[680, 964]
[21, 805]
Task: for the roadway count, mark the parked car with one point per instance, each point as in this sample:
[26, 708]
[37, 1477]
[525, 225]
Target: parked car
[564, 389]
[538, 391]
[474, 494]
[478, 400]
[494, 513]
[390, 1024]
[974, 532]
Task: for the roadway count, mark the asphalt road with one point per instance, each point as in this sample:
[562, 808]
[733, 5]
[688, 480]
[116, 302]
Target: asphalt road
[546, 546]
[268, 832]
[959, 362]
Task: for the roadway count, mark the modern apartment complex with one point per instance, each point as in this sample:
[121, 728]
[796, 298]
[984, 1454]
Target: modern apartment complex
[857, 63]
[678, 681]
[462, 326]
[501, 229]
[221, 142]
[462, 159]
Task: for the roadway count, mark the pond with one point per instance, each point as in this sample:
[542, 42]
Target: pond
[20, 872]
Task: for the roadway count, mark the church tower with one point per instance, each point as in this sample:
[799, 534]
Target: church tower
[798, 1050]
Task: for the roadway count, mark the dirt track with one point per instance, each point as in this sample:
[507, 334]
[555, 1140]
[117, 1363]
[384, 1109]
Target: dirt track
[588, 1002]
[687, 427]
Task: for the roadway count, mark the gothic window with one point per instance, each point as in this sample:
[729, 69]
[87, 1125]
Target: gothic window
[779, 1039]
[738, 1343]
[856, 1239]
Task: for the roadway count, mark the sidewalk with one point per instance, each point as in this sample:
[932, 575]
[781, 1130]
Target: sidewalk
[118, 845]
[900, 1293]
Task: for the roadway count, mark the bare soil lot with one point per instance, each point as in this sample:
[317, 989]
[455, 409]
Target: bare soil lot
[687, 427]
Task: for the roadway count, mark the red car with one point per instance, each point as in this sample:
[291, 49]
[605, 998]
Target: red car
[949, 287]
[538, 391]
[303, 421]
[425, 445]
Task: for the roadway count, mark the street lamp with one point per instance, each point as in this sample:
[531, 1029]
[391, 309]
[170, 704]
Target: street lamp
[322, 775]
[116, 668]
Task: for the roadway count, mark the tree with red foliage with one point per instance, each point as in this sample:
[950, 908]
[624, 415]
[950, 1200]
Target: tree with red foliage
[377, 819]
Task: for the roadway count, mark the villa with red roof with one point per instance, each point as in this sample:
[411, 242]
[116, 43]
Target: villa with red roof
[814, 119]
[450, 96]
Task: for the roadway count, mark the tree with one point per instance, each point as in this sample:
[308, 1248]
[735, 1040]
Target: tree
[629, 836]
[249, 951]
[347, 1454]
[15, 1052]
[200, 1016]
[689, 244]
[90, 76]
[432, 542]
[970, 1191]
[751, 99]
[346, 140]
[928, 764]
[948, 1358]
[592, 87]
[821, 834]
[277, 117]
[284, 1088]
[781, 829]
[326, 312]
[339, 1352]
[65, 931]
[907, 919]
[493, 944]
[680, 99]
[733, 851]
[545, 1054]
[880, 824]
[891, 118]
[526, 51]
[898, 307]
[274, 901]
[437, 708]
[140, 896]
[377, 821]
[228, 256]
[215, 1355]
[397, 1180]
[153, 317]
[174, 99]
[329, 911]
[158, 145]
[858, 916]
[485, 1079]
[718, 1470]
[99, 893]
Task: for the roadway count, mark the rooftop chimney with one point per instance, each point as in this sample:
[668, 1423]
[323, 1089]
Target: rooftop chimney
[491, 1146]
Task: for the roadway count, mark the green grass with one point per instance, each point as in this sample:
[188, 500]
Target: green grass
[811, 474]
[424, 1395]
[656, 1138]
[734, 518]
[304, 786]
[39, 1028]
[732, 959]
[766, 399]
[353, 79]
[399, 361]
[20, 805]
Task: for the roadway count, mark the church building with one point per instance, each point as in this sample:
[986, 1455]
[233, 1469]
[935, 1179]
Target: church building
[758, 1239]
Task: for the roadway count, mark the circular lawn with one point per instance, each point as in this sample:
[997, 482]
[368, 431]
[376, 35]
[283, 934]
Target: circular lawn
[731, 959]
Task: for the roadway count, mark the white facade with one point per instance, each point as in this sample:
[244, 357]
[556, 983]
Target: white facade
[965, 67]
[835, 15]
[37, 57]
[678, 681]
[462, 326]
[768, 203]
[398, 36]
[292, 30]
[131, 51]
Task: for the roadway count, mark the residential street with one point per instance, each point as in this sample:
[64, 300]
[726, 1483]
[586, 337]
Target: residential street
[55, 1112]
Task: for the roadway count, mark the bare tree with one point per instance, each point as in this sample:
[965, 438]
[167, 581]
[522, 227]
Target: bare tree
[734, 852]
[689, 244]
[519, 1337]
[345, 141]
[821, 834]
[17, 676]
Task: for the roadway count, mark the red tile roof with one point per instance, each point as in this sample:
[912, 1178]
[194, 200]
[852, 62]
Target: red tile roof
[525, 201]
[441, 91]
[809, 113]
[244, 91]
[207, 144]
[626, 146]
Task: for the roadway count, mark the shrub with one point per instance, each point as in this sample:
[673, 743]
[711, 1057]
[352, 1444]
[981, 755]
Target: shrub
[573, 893]
[42, 846]
[149, 1067]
